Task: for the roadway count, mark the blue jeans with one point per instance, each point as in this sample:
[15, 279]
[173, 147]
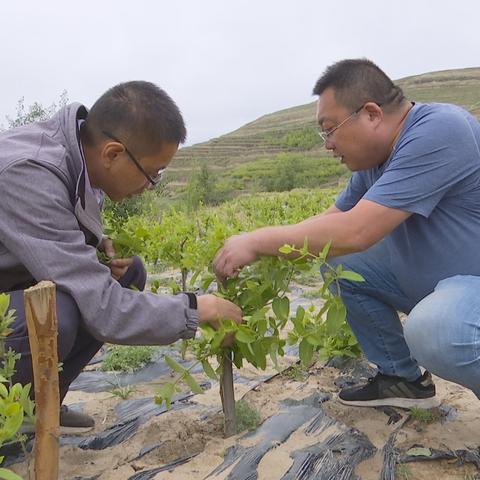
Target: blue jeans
[442, 331]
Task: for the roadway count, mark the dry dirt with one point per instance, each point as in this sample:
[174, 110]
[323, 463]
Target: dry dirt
[185, 433]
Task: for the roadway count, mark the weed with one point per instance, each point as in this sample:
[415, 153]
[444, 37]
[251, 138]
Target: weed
[128, 359]
[297, 372]
[311, 294]
[423, 416]
[404, 472]
[247, 416]
[122, 392]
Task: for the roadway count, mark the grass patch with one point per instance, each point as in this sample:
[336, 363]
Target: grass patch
[424, 416]
[296, 372]
[128, 359]
[247, 416]
[284, 172]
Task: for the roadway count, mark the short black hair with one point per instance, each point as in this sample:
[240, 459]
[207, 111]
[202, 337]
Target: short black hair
[358, 81]
[138, 113]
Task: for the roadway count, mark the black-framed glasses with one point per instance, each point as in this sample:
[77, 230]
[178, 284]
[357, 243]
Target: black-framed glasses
[155, 180]
[324, 134]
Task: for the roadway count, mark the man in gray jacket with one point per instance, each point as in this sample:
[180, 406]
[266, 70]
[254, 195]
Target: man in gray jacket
[53, 177]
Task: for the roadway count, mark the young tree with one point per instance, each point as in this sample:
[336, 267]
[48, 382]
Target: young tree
[35, 112]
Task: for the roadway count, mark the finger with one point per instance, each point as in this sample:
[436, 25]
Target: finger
[218, 261]
[118, 272]
[121, 262]
[219, 271]
[108, 247]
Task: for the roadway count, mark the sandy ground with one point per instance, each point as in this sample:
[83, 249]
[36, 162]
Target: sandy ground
[197, 432]
[186, 433]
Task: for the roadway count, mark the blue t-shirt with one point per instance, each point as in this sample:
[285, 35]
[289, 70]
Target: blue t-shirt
[434, 172]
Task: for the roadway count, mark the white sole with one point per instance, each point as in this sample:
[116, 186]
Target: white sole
[63, 430]
[424, 403]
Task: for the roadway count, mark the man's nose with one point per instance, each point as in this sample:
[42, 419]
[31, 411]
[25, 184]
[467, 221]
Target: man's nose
[329, 144]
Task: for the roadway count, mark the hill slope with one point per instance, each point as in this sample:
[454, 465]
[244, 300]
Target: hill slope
[294, 129]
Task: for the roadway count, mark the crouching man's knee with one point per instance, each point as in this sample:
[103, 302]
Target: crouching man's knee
[443, 331]
[135, 276]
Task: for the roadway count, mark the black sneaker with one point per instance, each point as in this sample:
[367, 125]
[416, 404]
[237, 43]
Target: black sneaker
[71, 423]
[384, 390]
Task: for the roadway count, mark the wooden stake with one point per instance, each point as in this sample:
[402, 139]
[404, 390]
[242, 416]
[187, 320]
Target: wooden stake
[228, 396]
[41, 314]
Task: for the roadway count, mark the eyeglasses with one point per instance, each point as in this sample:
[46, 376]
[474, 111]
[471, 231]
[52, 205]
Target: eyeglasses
[155, 180]
[324, 134]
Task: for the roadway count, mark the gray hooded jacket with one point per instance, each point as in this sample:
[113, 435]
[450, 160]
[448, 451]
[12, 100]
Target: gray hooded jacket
[50, 226]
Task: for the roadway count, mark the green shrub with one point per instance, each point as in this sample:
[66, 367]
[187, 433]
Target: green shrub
[15, 404]
[303, 139]
[122, 358]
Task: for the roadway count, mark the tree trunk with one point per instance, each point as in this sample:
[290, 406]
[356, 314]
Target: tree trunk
[41, 314]
[228, 396]
[184, 279]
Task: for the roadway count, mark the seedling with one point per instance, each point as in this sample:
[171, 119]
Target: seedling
[260, 290]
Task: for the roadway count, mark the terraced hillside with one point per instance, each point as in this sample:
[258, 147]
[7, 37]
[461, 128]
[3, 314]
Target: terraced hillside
[294, 129]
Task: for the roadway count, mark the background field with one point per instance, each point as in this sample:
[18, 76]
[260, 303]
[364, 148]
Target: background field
[282, 150]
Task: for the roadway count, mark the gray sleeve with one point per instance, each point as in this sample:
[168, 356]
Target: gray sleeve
[38, 225]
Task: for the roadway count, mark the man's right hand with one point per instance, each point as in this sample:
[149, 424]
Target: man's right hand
[212, 309]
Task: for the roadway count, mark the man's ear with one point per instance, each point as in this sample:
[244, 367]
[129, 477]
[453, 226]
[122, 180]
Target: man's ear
[375, 113]
[110, 153]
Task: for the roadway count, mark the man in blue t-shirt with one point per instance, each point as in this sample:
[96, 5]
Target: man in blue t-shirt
[408, 222]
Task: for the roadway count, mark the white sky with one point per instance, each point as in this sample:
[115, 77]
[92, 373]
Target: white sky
[226, 62]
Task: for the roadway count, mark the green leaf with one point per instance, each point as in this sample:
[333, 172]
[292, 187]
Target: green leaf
[4, 303]
[192, 383]
[260, 355]
[165, 394]
[314, 340]
[300, 314]
[244, 335]
[335, 317]
[273, 354]
[419, 452]
[324, 253]
[3, 391]
[209, 371]
[305, 352]
[9, 475]
[176, 367]
[349, 275]
[286, 249]
[281, 307]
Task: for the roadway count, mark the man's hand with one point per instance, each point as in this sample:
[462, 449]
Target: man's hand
[212, 309]
[238, 251]
[118, 266]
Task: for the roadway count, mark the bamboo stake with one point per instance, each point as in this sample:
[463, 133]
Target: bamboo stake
[228, 397]
[41, 314]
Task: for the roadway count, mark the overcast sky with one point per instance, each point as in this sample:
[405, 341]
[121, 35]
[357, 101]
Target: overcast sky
[226, 62]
